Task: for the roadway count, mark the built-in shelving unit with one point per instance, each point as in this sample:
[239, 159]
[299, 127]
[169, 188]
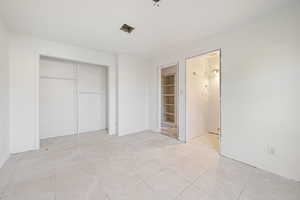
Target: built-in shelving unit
[169, 101]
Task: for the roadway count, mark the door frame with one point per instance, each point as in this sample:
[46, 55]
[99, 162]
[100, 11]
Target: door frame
[111, 126]
[160, 96]
[187, 94]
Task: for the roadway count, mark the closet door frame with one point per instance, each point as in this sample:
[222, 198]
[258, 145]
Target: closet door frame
[37, 96]
[160, 97]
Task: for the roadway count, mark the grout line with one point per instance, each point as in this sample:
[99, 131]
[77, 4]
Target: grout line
[245, 186]
[149, 186]
[183, 190]
[191, 184]
[142, 180]
[107, 196]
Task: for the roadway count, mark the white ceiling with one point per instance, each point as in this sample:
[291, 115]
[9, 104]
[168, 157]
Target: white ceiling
[95, 23]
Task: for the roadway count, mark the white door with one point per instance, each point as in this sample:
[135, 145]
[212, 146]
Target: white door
[72, 97]
[57, 98]
[92, 97]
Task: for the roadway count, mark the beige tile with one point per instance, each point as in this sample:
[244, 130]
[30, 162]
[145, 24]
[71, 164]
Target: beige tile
[37, 169]
[224, 182]
[148, 168]
[167, 184]
[79, 183]
[91, 190]
[135, 191]
[264, 185]
[40, 189]
[115, 181]
[96, 166]
[6, 175]
[192, 193]
[189, 167]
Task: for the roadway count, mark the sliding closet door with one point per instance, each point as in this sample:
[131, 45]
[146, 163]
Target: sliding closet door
[57, 98]
[92, 84]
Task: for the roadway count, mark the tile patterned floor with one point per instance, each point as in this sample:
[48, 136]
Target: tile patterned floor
[144, 166]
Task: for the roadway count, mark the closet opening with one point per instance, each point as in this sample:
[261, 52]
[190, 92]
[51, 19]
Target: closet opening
[203, 99]
[168, 94]
[72, 98]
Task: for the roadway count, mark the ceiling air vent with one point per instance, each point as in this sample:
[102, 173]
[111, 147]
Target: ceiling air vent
[126, 28]
[156, 3]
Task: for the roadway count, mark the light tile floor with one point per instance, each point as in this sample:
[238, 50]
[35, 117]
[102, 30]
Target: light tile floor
[144, 166]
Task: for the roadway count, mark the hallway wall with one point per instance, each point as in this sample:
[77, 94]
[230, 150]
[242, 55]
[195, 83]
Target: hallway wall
[133, 94]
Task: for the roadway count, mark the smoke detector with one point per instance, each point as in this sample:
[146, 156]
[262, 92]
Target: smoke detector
[126, 28]
[156, 2]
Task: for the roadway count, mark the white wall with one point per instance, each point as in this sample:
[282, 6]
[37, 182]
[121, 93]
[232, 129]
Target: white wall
[260, 90]
[154, 113]
[133, 94]
[4, 94]
[24, 65]
[197, 96]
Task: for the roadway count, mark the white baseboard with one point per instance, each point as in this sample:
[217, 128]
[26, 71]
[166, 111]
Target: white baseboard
[132, 132]
[91, 130]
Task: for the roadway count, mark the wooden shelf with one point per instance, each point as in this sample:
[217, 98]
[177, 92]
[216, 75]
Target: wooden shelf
[166, 113]
[168, 95]
[169, 123]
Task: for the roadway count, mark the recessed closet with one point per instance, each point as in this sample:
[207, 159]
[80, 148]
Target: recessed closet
[72, 97]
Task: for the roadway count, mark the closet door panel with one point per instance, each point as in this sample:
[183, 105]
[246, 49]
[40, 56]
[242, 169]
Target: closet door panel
[50, 67]
[57, 113]
[92, 114]
[92, 97]
[91, 78]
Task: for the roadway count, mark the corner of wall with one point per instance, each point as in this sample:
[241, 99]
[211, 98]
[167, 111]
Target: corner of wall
[5, 93]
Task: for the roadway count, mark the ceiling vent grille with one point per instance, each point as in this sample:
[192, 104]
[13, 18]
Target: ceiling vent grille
[156, 3]
[126, 28]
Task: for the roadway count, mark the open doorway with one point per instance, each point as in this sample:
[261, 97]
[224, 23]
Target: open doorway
[168, 93]
[203, 98]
